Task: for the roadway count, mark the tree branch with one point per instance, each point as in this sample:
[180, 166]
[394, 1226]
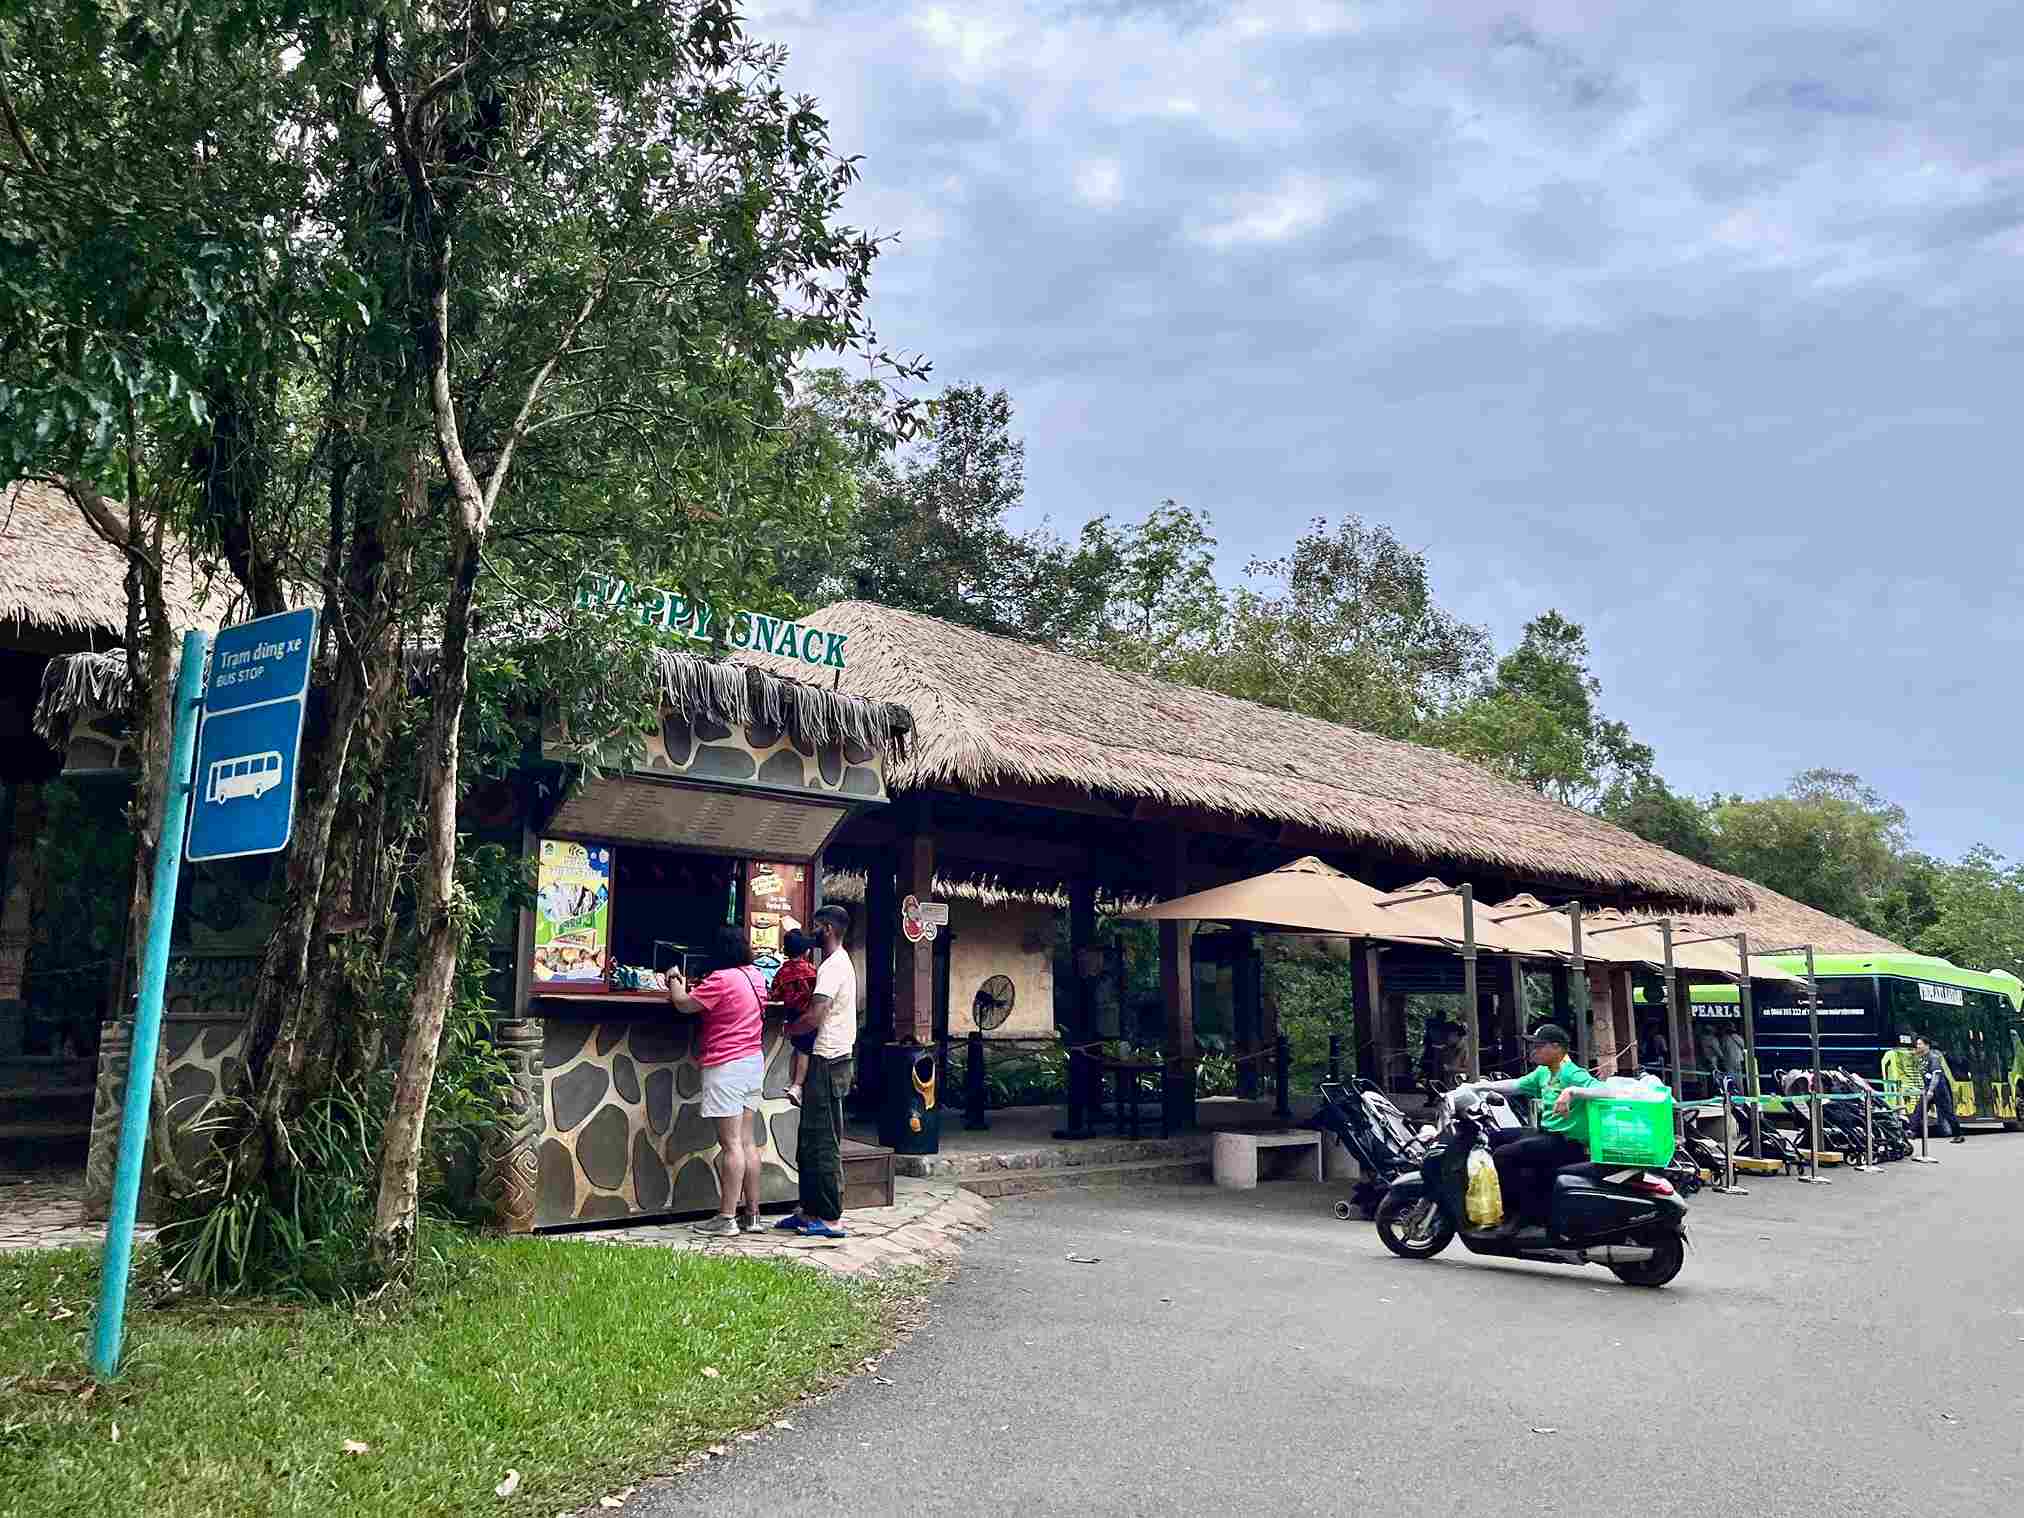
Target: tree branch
[14, 128]
[534, 388]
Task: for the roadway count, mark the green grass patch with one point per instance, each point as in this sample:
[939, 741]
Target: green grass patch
[578, 1364]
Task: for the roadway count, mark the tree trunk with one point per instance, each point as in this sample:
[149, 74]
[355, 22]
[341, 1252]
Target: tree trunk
[441, 930]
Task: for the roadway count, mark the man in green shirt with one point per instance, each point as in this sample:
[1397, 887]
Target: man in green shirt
[1525, 1160]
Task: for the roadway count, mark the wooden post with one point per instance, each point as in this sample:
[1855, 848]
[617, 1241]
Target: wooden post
[1512, 1040]
[1363, 1002]
[1082, 950]
[1247, 1037]
[1622, 999]
[1177, 987]
[1602, 1020]
[914, 964]
[1268, 1004]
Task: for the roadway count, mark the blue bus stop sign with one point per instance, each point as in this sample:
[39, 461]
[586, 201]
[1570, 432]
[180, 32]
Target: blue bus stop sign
[243, 797]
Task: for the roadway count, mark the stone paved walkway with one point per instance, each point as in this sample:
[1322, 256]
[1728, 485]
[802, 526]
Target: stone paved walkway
[41, 1209]
[926, 1224]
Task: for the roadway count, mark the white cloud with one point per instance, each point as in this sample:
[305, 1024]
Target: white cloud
[1099, 182]
[1291, 210]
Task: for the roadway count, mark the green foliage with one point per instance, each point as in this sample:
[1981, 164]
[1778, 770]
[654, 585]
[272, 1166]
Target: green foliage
[1314, 994]
[1978, 920]
[1829, 841]
[1645, 805]
[575, 1363]
[1537, 720]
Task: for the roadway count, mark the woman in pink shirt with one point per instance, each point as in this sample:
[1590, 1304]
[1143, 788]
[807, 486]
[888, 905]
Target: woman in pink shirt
[731, 1001]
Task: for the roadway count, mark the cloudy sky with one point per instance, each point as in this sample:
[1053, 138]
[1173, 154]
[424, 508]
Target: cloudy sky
[1701, 323]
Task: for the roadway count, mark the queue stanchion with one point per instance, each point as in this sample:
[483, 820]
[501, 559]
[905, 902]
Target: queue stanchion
[1925, 1129]
[1868, 1130]
[1728, 1186]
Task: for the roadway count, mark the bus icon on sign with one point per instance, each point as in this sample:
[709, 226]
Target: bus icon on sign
[246, 775]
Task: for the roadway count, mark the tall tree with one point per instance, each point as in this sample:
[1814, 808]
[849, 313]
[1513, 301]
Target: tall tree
[1347, 628]
[1829, 841]
[1978, 919]
[1538, 720]
[1644, 804]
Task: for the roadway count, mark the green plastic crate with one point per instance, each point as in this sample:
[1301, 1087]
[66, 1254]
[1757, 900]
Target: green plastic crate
[1631, 1126]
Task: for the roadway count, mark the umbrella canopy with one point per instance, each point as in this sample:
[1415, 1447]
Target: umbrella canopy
[1308, 896]
[1716, 958]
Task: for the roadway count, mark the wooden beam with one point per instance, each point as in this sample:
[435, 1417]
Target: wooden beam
[1054, 798]
[881, 934]
[1177, 988]
[1364, 993]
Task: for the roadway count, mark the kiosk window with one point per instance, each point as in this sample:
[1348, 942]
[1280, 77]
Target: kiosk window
[665, 903]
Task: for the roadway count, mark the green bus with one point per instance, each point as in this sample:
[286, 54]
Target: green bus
[1871, 1008]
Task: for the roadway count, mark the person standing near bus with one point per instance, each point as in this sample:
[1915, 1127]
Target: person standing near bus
[1936, 1092]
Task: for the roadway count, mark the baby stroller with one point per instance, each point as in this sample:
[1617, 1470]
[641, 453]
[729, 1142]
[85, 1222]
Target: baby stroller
[1376, 1134]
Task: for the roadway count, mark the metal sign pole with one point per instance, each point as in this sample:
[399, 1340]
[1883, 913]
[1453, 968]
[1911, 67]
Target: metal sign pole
[1472, 1040]
[1868, 1131]
[1729, 1186]
[133, 1128]
[1751, 1083]
[1579, 975]
[1813, 1029]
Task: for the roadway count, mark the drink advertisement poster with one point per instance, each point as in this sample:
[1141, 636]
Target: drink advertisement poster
[776, 899]
[572, 914]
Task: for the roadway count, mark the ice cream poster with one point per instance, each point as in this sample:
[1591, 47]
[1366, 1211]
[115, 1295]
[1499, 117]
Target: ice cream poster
[572, 912]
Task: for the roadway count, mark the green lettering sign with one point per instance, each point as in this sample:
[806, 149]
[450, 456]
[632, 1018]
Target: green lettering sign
[692, 619]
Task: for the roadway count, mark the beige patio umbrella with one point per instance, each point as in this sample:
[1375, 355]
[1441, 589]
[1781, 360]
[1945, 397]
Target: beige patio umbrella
[1308, 896]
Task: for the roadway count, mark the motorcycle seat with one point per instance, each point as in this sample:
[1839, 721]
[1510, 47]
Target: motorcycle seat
[1588, 1170]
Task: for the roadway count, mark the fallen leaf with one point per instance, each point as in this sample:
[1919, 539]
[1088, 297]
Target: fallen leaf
[60, 1314]
[509, 1486]
[1084, 1259]
[115, 1433]
[710, 1372]
[720, 1449]
[880, 1381]
[748, 1438]
[783, 1423]
[357, 1447]
[1545, 1430]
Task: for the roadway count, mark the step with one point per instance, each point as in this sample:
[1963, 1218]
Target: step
[1183, 1171]
[1065, 1155]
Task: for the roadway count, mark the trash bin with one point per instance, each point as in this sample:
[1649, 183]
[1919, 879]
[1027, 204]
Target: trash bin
[910, 1107]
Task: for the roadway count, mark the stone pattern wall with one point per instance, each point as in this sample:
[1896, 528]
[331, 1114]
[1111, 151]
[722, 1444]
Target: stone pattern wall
[761, 755]
[200, 1059]
[623, 1127]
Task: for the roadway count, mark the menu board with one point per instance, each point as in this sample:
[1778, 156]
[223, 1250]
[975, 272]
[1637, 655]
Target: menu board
[572, 914]
[776, 899]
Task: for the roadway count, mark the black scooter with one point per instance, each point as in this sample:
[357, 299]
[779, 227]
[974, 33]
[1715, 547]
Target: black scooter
[1624, 1217]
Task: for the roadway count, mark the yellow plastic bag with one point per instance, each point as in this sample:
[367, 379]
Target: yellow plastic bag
[1484, 1199]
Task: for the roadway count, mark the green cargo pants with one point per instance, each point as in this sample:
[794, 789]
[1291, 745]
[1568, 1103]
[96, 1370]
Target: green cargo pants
[818, 1153]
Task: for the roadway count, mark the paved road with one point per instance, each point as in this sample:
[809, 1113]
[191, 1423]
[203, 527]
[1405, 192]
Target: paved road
[1234, 1353]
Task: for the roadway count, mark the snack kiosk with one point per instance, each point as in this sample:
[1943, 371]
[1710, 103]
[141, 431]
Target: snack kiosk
[721, 822]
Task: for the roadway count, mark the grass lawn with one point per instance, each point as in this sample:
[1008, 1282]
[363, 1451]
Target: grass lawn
[580, 1365]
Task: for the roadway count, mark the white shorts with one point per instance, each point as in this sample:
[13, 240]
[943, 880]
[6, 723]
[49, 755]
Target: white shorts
[733, 1087]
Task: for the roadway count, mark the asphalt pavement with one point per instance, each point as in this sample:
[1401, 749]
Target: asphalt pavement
[1856, 1348]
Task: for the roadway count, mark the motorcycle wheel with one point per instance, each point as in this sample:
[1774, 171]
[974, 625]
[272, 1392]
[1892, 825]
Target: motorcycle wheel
[1413, 1229]
[1669, 1253]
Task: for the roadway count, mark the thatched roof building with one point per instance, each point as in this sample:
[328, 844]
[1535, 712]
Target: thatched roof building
[994, 712]
[1777, 922]
[62, 586]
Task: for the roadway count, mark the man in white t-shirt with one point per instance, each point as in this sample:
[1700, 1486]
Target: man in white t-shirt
[832, 1016]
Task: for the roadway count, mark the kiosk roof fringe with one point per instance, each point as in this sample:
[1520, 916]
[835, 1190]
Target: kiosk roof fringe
[995, 711]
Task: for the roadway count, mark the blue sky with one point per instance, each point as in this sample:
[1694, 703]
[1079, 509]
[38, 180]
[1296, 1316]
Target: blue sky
[1700, 323]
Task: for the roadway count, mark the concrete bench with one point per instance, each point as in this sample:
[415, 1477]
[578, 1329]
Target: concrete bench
[1234, 1158]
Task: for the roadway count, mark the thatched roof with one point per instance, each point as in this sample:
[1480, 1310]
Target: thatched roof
[57, 575]
[991, 710]
[701, 690]
[1777, 922]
